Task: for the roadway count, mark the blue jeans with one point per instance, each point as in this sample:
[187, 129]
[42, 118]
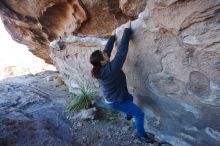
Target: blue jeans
[129, 108]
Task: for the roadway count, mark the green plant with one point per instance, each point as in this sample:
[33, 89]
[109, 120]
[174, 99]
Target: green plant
[81, 100]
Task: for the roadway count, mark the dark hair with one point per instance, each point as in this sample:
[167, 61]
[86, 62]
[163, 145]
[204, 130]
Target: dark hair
[95, 59]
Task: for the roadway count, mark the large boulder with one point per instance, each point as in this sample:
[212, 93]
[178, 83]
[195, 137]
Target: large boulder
[172, 68]
[36, 23]
[32, 112]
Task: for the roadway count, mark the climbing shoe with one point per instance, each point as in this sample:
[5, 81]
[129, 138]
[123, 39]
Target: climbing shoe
[150, 135]
[129, 117]
[146, 139]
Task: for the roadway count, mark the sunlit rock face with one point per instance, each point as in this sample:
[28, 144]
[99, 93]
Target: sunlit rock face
[132, 8]
[37, 22]
[172, 68]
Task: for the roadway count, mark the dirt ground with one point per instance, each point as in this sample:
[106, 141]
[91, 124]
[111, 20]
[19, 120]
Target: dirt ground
[109, 129]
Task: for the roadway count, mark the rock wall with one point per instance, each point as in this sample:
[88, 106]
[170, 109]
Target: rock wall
[172, 68]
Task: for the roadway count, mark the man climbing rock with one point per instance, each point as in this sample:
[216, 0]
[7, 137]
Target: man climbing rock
[113, 80]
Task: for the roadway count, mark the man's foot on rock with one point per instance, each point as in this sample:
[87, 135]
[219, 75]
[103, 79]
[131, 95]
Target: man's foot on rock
[129, 117]
[146, 139]
[150, 135]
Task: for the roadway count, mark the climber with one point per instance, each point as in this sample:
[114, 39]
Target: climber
[113, 80]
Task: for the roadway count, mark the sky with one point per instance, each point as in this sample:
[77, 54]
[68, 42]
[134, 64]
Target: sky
[13, 53]
[18, 56]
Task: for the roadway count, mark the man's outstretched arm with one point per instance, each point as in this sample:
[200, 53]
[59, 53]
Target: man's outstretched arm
[122, 51]
[109, 46]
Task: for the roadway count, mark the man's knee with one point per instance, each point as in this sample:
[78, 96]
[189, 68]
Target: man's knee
[140, 114]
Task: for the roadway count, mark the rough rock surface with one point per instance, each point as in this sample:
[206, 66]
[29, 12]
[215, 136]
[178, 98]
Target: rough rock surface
[132, 8]
[172, 68]
[86, 114]
[102, 14]
[32, 112]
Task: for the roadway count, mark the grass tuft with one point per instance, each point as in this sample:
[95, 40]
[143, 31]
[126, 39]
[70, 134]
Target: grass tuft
[81, 100]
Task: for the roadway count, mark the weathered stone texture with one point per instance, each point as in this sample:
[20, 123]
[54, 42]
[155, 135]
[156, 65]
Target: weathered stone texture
[32, 111]
[132, 7]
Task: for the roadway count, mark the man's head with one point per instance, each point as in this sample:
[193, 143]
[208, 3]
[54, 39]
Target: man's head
[99, 58]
